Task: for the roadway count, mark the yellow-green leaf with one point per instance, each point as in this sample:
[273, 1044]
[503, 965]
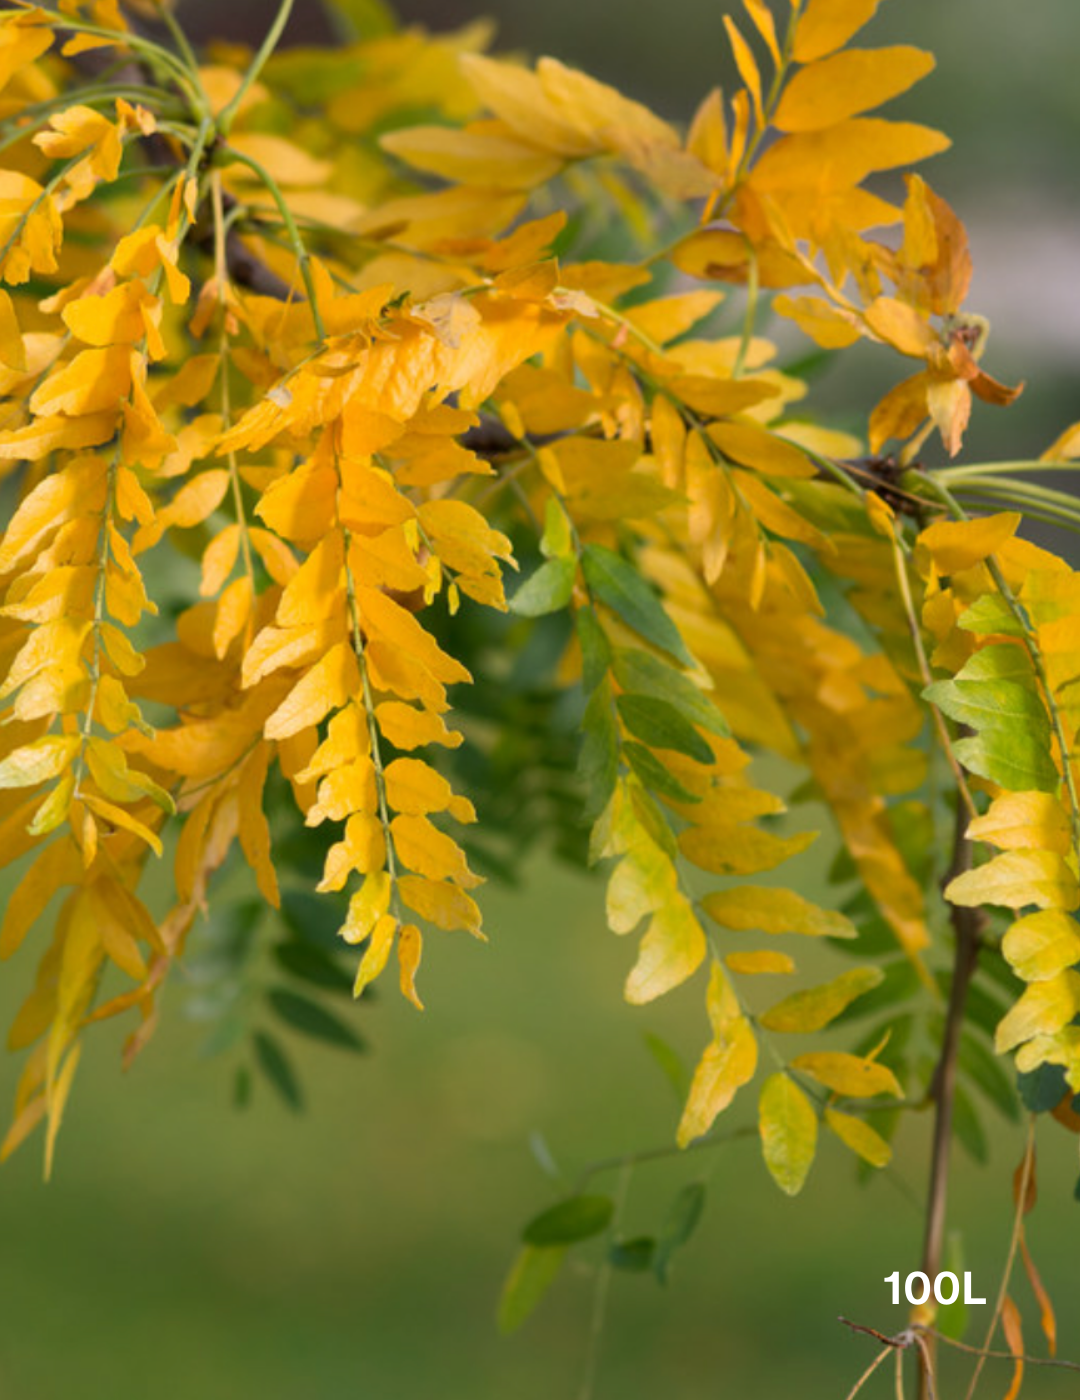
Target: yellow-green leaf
[775, 911]
[1041, 945]
[1043, 1009]
[817, 1006]
[860, 1137]
[789, 1129]
[1015, 879]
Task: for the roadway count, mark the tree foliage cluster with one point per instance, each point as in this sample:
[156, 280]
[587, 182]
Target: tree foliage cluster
[302, 351]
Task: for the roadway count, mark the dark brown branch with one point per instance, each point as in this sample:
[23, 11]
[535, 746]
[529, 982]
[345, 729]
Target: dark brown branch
[967, 926]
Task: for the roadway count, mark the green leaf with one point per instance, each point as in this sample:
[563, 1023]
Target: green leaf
[1012, 744]
[595, 649]
[311, 965]
[653, 773]
[633, 1256]
[576, 1218]
[310, 1019]
[1018, 760]
[682, 1220]
[364, 19]
[547, 590]
[985, 1070]
[533, 1273]
[598, 766]
[626, 593]
[639, 672]
[558, 539]
[660, 725]
[991, 614]
[313, 918]
[1042, 1089]
[277, 1067]
[969, 1130]
[1001, 662]
[671, 1065]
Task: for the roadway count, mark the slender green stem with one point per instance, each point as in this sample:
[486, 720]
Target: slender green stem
[183, 44]
[155, 54]
[951, 474]
[659, 1154]
[299, 248]
[269, 44]
[1021, 491]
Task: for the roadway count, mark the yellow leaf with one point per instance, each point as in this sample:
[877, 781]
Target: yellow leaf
[671, 951]
[814, 1008]
[1016, 879]
[517, 97]
[406, 727]
[121, 817]
[414, 788]
[288, 163]
[473, 157]
[325, 687]
[957, 545]
[597, 111]
[377, 952]
[829, 325]
[57, 865]
[55, 432]
[788, 1126]
[860, 1137]
[1043, 1009]
[758, 448]
[36, 763]
[707, 138]
[1039, 946]
[120, 317]
[1024, 821]
[367, 906]
[729, 1060]
[833, 89]
[363, 849]
[747, 66]
[1014, 1337]
[95, 380]
[775, 911]
[409, 948]
[901, 326]
[849, 1075]
[751, 964]
[826, 25]
[763, 22]
[426, 850]
[440, 903]
[775, 514]
[254, 829]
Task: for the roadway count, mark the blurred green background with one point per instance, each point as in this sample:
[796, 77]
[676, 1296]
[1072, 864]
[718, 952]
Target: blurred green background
[185, 1249]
